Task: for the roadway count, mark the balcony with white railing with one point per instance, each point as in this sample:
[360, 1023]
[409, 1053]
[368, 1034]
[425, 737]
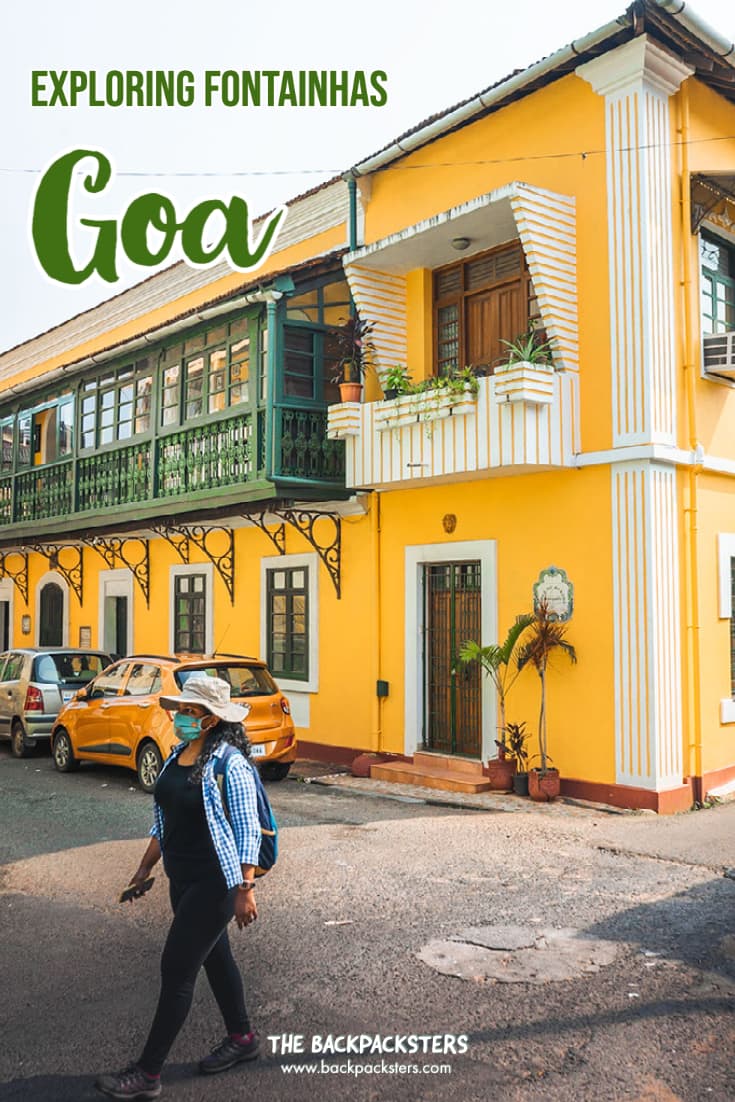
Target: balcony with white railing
[517, 421]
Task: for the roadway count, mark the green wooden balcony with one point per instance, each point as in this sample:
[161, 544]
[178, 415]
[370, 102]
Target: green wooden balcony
[220, 463]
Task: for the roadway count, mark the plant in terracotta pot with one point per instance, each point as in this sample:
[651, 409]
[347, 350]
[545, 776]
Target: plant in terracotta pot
[355, 355]
[546, 637]
[517, 745]
[497, 662]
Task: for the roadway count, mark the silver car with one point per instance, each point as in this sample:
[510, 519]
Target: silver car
[35, 683]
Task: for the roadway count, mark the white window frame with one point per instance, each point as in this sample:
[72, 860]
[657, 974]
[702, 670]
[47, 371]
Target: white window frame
[60, 580]
[116, 583]
[309, 561]
[206, 568]
[416, 557]
[726, 552]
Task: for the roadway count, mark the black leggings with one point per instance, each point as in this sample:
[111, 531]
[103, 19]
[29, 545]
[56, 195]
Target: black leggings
[198, 936]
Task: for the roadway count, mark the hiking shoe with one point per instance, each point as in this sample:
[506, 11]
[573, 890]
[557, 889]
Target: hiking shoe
[227, 1054]
[132, 1082]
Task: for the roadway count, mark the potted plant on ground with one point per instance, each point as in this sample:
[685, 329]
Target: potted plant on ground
[517, 744]
[497, 662]
[527, 371]
[355, 356]
[546, 636]
[396, 380]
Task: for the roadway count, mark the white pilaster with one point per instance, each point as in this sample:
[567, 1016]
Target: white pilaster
[646, 613]
[637, 80]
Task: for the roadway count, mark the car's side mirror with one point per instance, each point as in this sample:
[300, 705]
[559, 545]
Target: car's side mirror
[82, 694]
[93, 693]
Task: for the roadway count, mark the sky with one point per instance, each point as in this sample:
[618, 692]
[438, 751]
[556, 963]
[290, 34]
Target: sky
[434, 54]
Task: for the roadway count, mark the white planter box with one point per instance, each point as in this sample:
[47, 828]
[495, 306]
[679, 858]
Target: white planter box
[525, 382]
[428, 405]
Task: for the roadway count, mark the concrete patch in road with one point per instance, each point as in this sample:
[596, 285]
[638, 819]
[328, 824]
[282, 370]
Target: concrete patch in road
[518, 954]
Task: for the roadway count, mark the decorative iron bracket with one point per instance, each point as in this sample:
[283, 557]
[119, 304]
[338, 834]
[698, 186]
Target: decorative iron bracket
[114, 549]
[177, 537]
[304, 521]
[72, 574]
[277, 537]
[182, 537]
[18, 577]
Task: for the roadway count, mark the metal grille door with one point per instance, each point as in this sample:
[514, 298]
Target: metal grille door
[452, 692]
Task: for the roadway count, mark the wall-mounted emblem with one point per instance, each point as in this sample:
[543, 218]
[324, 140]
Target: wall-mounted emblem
[554, 589]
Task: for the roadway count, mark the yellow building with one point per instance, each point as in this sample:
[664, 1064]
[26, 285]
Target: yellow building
[169, 480]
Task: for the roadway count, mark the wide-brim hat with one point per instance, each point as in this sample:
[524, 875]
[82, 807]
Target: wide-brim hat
[208, 692]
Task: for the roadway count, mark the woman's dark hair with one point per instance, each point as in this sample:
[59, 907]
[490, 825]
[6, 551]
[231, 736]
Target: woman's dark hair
[234, 733]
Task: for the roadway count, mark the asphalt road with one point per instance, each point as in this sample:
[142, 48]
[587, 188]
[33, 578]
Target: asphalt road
[361, 886]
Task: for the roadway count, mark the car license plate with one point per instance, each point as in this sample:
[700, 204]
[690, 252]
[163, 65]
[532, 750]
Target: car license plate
[257, 750]
[67, 694]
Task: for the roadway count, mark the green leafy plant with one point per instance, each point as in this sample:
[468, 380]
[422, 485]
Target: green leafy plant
[355, 349]
[396, 378]
[517, 738]
[497, 662]
[457, 383]
[530, 348]
[546, 636]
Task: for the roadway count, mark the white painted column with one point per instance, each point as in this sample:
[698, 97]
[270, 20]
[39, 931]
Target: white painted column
[637, 81]
[648, 706]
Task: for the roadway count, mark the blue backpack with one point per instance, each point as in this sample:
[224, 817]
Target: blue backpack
[268, 826]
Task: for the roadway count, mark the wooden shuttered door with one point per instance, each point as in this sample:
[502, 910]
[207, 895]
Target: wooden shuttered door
[478, 303]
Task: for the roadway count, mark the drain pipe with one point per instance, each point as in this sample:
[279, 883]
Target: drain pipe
[376, 525]
[691, 355]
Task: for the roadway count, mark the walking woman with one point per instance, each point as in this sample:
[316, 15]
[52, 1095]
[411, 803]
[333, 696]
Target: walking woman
[210, 859]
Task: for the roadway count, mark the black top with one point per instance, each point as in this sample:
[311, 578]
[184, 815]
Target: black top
[187, 848]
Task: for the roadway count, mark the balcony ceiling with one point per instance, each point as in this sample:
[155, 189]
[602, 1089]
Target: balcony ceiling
[487, 221]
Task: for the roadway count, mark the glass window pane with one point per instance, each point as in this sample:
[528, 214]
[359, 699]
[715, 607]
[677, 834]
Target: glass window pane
[194, 387]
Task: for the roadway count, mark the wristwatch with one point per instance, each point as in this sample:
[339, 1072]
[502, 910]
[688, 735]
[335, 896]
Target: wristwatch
[246, 886]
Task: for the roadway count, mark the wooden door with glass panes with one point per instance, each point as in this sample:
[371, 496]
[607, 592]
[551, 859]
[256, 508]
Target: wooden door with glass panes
[452, 691]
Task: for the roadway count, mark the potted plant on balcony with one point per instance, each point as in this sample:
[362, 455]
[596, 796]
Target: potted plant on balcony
[546, 636]
[355, 352]
[526, 375]
[517, 744]
[497, 662]
[396, 380]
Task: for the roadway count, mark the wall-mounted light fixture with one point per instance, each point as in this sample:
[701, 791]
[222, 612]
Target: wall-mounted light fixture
[461, 243]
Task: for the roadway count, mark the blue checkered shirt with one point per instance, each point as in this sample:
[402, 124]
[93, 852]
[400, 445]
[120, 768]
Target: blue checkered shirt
[236, 840]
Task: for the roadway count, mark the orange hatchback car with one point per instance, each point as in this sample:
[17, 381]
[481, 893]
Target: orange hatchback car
[116, 719]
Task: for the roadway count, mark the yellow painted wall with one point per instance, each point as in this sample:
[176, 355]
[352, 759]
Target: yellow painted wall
[342, 713]
[539, 141]
[716, 514]
[534, 521]
[711, 119]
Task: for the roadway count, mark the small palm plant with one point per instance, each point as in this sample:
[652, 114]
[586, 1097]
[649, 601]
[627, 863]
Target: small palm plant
[547, 635]
[497, 662]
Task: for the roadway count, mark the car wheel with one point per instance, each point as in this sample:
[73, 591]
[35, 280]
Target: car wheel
[63, 753]
[18, 745]
[149, 766]
[275, 770]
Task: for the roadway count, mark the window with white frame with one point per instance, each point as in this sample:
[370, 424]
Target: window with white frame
[289, 620]
[191, 625]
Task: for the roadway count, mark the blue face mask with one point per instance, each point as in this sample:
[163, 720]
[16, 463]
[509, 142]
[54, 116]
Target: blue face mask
[187, 727]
